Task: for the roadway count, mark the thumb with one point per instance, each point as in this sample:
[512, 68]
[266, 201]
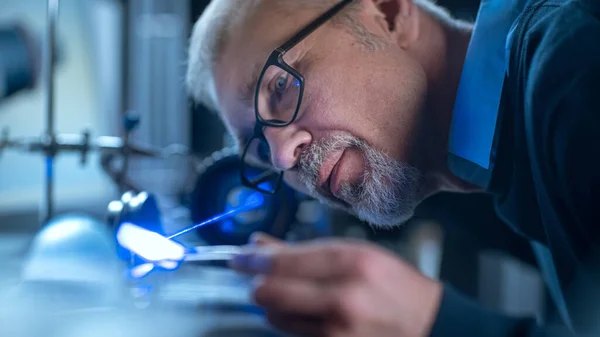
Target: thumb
[262, 239]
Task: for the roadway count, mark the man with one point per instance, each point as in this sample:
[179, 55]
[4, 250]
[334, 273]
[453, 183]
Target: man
[374, 105]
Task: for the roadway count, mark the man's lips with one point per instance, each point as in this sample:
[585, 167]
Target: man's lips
[334, 179]
[327, 175]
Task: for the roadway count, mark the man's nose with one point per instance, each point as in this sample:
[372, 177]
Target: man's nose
[286, 145]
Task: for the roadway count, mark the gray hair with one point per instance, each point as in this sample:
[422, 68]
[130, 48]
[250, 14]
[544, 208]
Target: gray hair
[212, 30]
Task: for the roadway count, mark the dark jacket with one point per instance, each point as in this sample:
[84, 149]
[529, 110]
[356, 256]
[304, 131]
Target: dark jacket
[547, 174]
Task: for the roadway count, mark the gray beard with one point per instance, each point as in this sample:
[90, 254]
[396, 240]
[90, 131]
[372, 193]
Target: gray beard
[387, 194]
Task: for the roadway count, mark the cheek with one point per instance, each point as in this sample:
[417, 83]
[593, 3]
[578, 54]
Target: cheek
[378, 103]
[362, 105]
[334, 101]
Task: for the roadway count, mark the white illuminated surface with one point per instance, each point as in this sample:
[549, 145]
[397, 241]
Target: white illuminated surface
[66, 229]
[134, 203]
[149, 245]
[115, 206]
[168, 265]
[142, 196]
[430, 256]
[138, 200]
[126, 197]
[428, 245]
[141, 270]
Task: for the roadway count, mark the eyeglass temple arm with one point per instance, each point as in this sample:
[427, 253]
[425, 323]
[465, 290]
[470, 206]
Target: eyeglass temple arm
[313, 26]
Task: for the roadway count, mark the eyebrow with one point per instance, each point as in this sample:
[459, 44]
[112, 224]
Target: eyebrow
[248, 88]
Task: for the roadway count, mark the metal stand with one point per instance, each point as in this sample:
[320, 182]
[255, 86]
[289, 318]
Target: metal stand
[50, 144]
[82, 143]
[49, 141]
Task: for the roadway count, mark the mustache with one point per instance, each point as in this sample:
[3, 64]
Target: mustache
[314, 156]
[387, 192]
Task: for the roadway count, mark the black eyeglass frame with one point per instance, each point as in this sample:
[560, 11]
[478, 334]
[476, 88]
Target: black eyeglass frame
[276, 59]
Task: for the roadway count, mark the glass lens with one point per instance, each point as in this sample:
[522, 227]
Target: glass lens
[256, 169]
[279, 95]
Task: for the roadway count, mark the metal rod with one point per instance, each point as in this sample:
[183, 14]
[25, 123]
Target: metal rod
[47, 211]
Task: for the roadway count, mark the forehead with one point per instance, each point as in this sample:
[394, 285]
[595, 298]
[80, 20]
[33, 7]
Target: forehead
[249, 44]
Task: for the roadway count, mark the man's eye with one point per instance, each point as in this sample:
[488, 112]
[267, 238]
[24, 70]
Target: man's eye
[282, 99]
[281, 83]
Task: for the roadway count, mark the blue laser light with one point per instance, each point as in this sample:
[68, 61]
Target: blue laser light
[160, 251]
[254, 201]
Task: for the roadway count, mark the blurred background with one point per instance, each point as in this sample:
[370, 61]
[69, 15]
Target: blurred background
[120, 69]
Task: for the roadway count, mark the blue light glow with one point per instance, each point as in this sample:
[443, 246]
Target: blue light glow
[255, 200]
[228, 226]
[161, 252]
[149, 245]
[49, 167]
[265, 186]
[239, 223]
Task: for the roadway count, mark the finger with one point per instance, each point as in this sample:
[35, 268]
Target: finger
[262, 239]
[253, 260]
[288, 295]
[297, 325]
[317, 261]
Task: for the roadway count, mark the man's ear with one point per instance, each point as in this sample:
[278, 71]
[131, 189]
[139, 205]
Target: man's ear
[399, 18]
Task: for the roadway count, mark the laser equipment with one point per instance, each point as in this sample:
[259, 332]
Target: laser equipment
[218, 189]
[18, 70]
[253, 201]
[155, 250]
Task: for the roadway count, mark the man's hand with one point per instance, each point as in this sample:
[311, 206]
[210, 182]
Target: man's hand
[261, 239]
[340, 288]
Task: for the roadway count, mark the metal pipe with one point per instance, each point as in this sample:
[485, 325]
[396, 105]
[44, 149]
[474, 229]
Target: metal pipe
[47, 210]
